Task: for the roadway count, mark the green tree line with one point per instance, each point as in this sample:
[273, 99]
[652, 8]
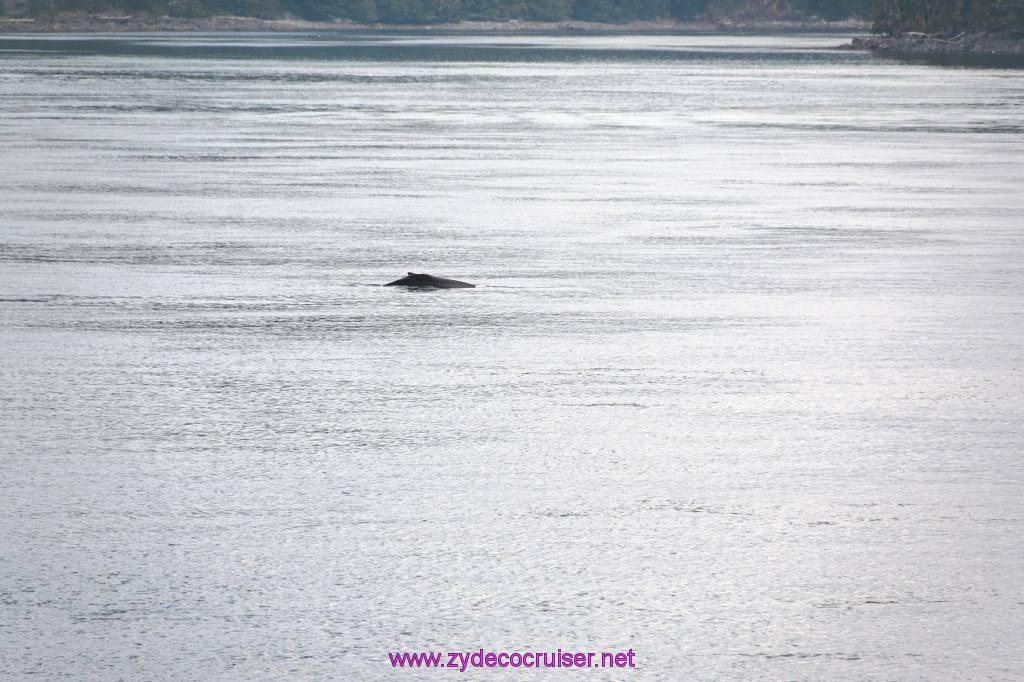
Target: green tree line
[943, 17]
[949, 17]
[437, 11]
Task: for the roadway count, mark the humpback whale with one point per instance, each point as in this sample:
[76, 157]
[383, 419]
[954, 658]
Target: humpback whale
[419, 280]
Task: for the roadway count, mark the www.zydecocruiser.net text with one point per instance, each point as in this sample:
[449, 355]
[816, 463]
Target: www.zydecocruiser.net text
[530, 659]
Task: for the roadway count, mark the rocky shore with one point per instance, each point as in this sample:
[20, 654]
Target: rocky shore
[965, 43]
[82, 22]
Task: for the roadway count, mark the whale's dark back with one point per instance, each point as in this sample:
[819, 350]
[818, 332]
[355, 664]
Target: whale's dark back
[420, 280]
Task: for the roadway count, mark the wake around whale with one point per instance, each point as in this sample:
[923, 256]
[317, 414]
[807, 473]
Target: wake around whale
[419, 280]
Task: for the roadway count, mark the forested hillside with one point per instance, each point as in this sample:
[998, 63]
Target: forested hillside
[942, 17]
[435, 11]
[949, 17]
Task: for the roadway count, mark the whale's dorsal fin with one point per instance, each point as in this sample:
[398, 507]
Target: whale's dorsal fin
[414, 279]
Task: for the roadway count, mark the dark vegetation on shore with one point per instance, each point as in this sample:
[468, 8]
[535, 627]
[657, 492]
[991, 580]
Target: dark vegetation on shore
[427, 12]
[949, 26]
[949, 19]
[946, 26]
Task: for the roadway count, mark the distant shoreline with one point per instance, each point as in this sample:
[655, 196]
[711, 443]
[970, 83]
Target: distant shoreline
[906, 43]
[82, 22]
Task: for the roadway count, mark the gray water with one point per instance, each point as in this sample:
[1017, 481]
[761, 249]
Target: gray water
[739, 388]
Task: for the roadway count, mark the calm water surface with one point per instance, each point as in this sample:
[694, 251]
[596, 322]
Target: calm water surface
[740, 387]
